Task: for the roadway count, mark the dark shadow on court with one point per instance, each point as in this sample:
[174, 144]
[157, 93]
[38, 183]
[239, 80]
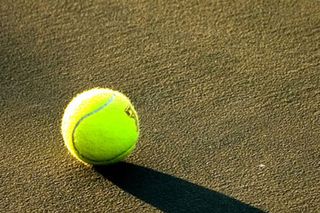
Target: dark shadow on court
[168, 193]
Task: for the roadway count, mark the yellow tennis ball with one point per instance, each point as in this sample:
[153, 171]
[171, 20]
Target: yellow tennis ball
[100, 126]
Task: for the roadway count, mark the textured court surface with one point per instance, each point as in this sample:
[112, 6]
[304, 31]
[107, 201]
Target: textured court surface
[228, 93]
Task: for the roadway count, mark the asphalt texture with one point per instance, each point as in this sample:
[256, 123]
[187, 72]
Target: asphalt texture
[228, 94]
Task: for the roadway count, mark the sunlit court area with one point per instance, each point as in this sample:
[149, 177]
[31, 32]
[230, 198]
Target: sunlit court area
[160, 106]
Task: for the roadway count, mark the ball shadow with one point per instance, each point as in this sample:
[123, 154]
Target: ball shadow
[168, 193]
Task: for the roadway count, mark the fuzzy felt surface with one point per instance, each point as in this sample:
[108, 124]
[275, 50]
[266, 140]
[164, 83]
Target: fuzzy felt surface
[97, 127]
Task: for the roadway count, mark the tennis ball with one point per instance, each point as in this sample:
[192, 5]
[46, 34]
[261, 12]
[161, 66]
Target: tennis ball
[100, 126]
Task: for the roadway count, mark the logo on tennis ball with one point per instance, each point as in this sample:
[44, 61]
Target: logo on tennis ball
[131, 114]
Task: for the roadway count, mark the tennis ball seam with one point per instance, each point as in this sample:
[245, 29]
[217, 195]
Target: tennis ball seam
[83, 118]
[112, 160]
